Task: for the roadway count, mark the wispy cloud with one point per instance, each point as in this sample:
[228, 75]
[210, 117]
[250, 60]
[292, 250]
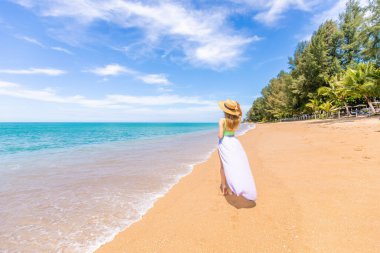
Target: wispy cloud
[154, 79]
[25, 3]
[5, 84]
[111, 70]
[203, 36]
[271, 11]
[164, 89]
[334, 11]
[62, 50]
[270, 60]
[31, 40]
[33, 71]
[116, 69]
[109, 101]
[40, 44]
[329, 12]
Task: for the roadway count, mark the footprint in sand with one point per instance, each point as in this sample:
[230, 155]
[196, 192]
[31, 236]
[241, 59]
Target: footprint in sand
[234, 221]
[367, 157]
[234, 218]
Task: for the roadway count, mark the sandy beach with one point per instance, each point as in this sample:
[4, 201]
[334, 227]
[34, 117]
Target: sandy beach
[318, 186]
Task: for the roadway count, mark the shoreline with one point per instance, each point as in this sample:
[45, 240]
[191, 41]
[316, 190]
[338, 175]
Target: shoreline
[116, 183]
[165, 191]
[305, 186]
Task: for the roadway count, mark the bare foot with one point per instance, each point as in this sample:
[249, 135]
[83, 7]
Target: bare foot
[223, 189]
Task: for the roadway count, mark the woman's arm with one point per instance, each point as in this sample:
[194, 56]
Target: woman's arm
[221, 128]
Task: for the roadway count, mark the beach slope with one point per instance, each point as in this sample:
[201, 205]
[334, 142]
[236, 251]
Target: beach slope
[318, 186]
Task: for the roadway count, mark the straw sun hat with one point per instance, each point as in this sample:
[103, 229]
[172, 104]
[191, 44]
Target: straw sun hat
[231, 107]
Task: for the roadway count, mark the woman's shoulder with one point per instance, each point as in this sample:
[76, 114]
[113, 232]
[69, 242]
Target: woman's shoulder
[221, 121]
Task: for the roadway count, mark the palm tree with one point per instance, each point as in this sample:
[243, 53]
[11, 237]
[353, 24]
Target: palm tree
[363, 82]
[327, 107]
[376, 76]
[336, 92]
[314, 104]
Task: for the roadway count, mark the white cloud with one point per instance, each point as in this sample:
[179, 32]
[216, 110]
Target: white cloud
[4, 84]
[64, 50]
[220, 49]
[25, 3]
[197, 32]
[40, 44]
[116, 69]
[154, 79]
[114, 107]
[333, 12]
[270, 11]
[330, 13]
[31, 40]
[32, 71]
[277, 8]
[111, 70]
[164, 89]
[114, 101]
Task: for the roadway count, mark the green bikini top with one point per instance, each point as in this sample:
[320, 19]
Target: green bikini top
[226, 132]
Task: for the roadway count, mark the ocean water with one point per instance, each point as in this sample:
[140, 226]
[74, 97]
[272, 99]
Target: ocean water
[70, 187]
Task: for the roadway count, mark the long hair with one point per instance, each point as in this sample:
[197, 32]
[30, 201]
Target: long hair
[233, 121]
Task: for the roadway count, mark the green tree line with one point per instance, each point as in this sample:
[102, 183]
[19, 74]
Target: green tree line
[337, 68]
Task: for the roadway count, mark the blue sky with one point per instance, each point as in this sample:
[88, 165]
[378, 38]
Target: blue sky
[119, 60]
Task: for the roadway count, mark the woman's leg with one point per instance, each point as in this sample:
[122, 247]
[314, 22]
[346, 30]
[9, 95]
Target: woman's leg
[223, 180]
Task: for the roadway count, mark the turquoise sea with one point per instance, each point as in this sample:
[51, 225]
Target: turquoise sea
[70, 187]
[27, 137]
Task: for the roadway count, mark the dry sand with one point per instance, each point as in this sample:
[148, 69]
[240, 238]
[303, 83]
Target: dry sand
[318, 189]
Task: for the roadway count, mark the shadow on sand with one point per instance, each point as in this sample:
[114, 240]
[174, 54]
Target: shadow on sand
[239, 201]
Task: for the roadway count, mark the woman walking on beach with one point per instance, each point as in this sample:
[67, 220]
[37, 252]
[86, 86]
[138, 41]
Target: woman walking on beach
[234, 170]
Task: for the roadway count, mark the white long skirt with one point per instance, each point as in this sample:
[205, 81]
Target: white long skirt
[236, 168]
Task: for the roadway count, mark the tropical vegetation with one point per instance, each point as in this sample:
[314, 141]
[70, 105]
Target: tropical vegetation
[339, 67]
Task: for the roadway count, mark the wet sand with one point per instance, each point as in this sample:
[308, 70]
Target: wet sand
[318, 186]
